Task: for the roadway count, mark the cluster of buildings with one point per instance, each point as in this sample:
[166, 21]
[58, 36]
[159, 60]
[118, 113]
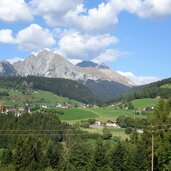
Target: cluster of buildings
[109, 123]
[58, 105]
[5, 110]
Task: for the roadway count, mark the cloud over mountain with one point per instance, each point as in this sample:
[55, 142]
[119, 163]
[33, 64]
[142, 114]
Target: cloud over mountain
[139, 80]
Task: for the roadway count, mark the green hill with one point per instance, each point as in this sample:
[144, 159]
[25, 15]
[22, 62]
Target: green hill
[59, 86]
[16, 98]
[160, 88]
[143, 103]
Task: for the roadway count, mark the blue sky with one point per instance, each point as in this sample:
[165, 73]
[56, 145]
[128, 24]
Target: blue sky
[132, 37]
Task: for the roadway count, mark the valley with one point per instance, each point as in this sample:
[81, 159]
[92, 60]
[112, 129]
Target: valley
[85, 85]
[41, 109]
[74, 112]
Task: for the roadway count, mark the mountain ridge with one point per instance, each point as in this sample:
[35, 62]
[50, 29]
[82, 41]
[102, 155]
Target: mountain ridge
[49, 64]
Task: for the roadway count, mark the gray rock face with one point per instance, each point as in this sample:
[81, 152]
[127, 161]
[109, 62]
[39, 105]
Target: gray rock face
[6, 69]
[49, 64]
[102, 66]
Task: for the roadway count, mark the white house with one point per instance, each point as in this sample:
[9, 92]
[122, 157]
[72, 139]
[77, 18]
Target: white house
[111, 123]
[97, 123]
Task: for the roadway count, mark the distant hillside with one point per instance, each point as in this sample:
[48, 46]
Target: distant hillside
[160, 88]
[62, 87]
[106, 90]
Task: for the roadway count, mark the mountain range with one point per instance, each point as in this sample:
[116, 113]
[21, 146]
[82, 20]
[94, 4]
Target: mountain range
[99, 78]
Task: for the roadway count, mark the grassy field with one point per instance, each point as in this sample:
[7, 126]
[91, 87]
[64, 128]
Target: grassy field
[73, 115]
[142, 103]
[17, 98]
[51, 98]
[166, 86]
[116, 132]
[109, 113]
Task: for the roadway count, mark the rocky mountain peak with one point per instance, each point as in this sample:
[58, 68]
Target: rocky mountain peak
[49, 64]
[6, 69]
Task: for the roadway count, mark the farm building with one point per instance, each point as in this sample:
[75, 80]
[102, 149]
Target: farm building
[111, 123]
[97, 123]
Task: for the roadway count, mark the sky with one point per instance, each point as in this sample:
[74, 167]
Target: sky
[133, 37]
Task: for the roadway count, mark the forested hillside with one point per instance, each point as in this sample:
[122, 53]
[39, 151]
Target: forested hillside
[160, 88]
[62, 87]
[106, 90]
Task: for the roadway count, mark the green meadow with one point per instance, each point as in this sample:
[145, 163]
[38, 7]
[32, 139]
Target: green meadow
[17, 98]
[74, 115]
[142, 103]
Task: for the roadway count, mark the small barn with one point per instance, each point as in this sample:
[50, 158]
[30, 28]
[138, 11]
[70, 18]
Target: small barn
[111, 123]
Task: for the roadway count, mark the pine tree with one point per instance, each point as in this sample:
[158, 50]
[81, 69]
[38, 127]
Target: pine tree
[101, 161]
[118, 157]
[106, 133]
[80, 157]
[55, 155]
[28, 154]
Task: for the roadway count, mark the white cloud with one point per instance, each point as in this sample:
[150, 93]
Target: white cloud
[13, 60]
[84, 46]
[155, 8]
[100, 18]
[145, 8]
[139, 80]
[53, 11]
[34, 38]
[105, 16]
[14, 10]
[110, 55]
[6, 36]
